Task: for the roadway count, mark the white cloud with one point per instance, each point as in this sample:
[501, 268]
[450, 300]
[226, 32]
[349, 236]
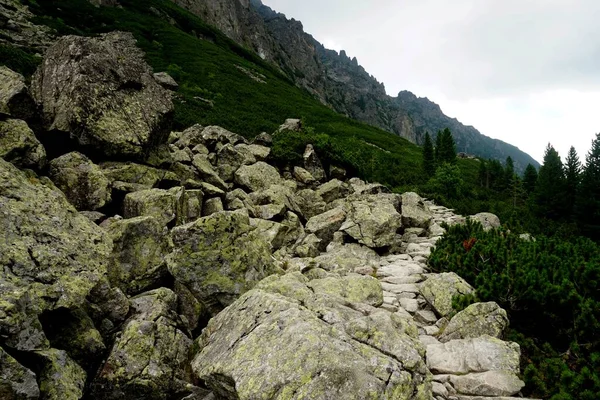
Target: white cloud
[524, 71]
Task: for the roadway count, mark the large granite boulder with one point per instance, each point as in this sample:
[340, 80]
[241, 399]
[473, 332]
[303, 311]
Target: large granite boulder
[230, 158]
[258, 176]
[219, 257]
[82, 181]
[319, 346]
[349, 257]
[490, 383]
[415, 213]
[373, 220]
[19, 145]
[476, 320]
[50, 256]
[326, 224]
[158, 203]
[101, 92]
[148, 360]
[60, 377]
[15, 100]
[16, 381]
[489, 221]
[439, 289]
[312, 163]
[137, 261]
[485, 353]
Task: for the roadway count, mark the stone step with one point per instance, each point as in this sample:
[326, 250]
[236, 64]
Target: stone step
[397, 289]
[401, 280]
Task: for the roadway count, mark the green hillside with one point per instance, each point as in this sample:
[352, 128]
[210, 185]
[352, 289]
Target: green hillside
[216, 87]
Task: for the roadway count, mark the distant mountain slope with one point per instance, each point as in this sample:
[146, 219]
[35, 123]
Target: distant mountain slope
[339, 81]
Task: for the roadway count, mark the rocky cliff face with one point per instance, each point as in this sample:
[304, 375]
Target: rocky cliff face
[338, 81]
[203, 272]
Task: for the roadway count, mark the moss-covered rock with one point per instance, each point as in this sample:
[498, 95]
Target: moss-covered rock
[219, 257]
[137, 261]
[207, 172]
[373, 220]
[158, 203]
[148, 360]
[16, 381]
[139, 174]
[19, 145]
[15, 100]
[344, 258]
[333, 190]
[230, 158]
[309, 203]
[50, 256]
[353, 287]
[476, 320]
[60, 377]
[102, 92]
[81, 181]
[439, 289]
[325, 225]
[257, 176]
[489, 221]
[320, 347]
[415, 213]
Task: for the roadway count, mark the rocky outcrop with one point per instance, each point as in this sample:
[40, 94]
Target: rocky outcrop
[19, 145]
[338, 80]
[15, 100]
[17, 28]
[101, 92]
[284, 316]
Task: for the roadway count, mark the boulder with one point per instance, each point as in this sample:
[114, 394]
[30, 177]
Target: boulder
[230, 158]
[312, 163]
[290, 124]
[261, 153]
[82, 181]
[50, 256]
[138, 174]
[320, 347]
[19, 145]
[165, 80]
[333, 190]
[139, 249]
[219, 257]
[16, 381]
[279, 234]
[490, 383]
[107, 306]
[308, 247]
[309, 203]
[15, 100]
[238, 199]
[476, 320]
[337, 172]
[326, 224]
[279, 195]
[361, 187]
[303, 176]
[349, 257]
[148, 359]
[258, 176]
[415, 213]
[212, 135]
[263, 139]
[102, 92]
[439, 289]
[489, 221]
[158, 203]
[353, 287]
[60, 377]
[207, 172]
[212, 206]
[373, 220]
[485, 353]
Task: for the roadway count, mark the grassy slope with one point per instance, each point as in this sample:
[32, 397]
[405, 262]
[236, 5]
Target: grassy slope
[206, 69]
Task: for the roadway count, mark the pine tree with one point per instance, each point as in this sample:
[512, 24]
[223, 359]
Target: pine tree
[484, 174]
[549, 195]
[438, 147]
[447, 151]
[572, 178]
[428, 156]
[530, 178]
[588, 199]
[509, 169]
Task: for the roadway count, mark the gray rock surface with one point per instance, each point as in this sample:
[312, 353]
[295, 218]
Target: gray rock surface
[19, 145]
[15, 100]
[102, 92]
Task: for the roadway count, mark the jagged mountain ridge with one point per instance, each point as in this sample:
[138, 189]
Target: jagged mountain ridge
[338, 80]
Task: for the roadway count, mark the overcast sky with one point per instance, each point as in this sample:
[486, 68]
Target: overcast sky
[524, 71]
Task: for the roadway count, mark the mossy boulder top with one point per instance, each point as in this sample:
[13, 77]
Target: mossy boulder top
[101, 92]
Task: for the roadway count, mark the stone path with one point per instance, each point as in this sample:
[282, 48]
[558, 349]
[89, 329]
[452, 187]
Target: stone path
[402, 278]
